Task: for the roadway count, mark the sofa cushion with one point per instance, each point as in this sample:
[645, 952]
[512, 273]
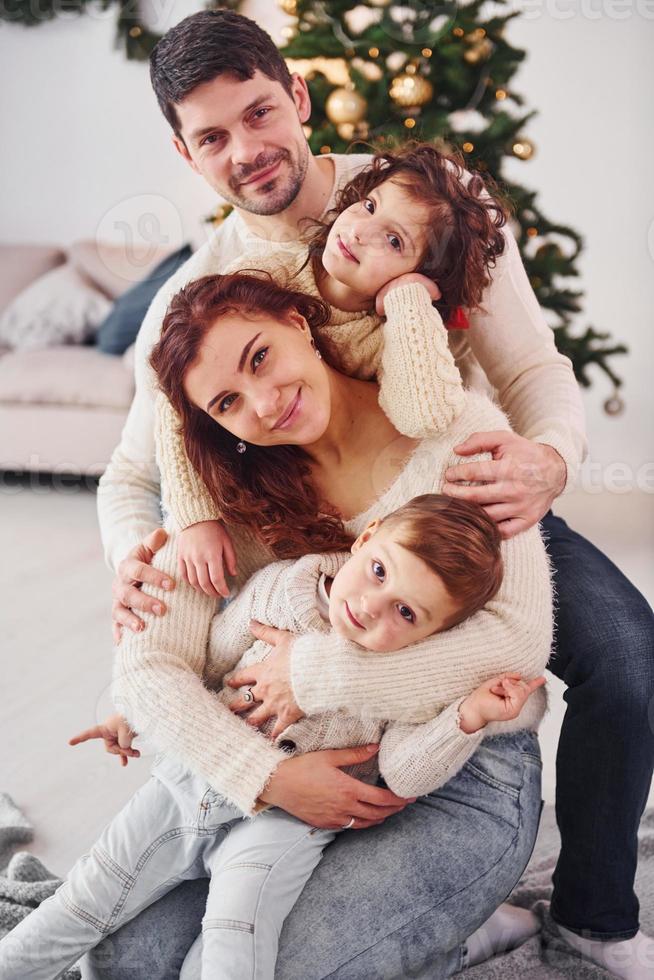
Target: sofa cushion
[65, 376]
[58, 308]
[115, 268]
[121, 326]
[20, 265]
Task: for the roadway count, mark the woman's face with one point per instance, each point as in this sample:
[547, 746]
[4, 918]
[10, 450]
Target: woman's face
[376, 239]
[261, 380]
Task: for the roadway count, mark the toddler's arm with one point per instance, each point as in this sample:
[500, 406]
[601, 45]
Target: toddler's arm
[417, 759]
[420, 386]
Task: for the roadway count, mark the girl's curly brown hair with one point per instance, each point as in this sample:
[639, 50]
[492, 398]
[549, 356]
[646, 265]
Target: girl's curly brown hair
[465, 235]
[268, 489]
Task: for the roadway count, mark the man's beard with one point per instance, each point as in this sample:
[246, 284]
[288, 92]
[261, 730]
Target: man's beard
[273, 198]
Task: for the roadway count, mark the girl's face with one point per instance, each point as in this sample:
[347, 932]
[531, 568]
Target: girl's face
[377, 239]
[261, 380]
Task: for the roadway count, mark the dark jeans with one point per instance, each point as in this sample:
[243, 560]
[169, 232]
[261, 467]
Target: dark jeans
[604, 653]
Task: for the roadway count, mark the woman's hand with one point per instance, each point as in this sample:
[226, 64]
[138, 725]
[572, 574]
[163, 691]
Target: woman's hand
[404, 280]
[205, 549]
[516, 487]
[271, 681]
[314, 788]
[117, 736]
[499, 699]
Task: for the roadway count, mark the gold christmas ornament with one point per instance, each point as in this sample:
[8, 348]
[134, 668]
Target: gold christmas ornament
[468, 147]
[288, 6]
[135, 31]
[411, 91]
[410, 122]
[427, 52]
[532, 232]
[478, 51]
[458, 32]
[500, 94]
[523, 149]
[373, 52]
[325, 149]
[345, 105]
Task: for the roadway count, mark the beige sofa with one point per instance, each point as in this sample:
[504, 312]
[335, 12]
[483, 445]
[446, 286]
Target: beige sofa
[62, 408]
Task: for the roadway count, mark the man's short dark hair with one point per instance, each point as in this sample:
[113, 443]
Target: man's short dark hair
[208, 44]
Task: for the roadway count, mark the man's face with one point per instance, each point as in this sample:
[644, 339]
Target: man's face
[246, 139]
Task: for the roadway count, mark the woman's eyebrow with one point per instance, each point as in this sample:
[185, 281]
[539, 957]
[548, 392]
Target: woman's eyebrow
[241, 365]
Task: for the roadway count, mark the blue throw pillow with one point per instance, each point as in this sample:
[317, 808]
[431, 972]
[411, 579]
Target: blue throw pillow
[118, 330]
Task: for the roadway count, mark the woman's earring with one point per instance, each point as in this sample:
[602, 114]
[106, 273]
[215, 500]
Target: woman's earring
[318, 354]
[240, 447]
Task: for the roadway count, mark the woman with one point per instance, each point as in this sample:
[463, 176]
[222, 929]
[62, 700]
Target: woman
[338, 463]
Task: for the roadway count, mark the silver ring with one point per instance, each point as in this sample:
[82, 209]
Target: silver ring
[248, 696]
[348, 825]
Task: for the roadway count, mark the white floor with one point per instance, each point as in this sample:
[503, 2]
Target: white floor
[57, 651]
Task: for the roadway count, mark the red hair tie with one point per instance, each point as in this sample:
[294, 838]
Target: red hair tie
[458, 320]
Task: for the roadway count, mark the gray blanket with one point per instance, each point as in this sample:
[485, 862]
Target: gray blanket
[25, 882]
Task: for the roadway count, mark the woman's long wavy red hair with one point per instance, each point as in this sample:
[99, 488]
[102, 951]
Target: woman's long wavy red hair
[464, 235]
[268, 489]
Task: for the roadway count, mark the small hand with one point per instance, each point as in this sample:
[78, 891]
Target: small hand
[271, 680]
[133, 572]
[204, 549]
[518, 485]
[117, 736]
[403, 280]
[501, 698]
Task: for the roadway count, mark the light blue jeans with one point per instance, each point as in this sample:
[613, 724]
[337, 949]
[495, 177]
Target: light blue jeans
[390, 902]
[176, 828]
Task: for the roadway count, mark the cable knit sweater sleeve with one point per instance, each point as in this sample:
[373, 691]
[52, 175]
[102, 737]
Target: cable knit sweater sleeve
[416, 759]
[420, 386]
[158, 686]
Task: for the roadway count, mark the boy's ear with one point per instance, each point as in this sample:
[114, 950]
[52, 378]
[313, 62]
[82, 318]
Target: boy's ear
[365, 535]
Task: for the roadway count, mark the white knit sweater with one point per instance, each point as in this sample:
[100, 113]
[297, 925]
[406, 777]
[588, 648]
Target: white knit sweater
[159, 678]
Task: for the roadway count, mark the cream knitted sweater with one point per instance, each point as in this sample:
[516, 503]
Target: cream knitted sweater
[159, 678]
[420, 386]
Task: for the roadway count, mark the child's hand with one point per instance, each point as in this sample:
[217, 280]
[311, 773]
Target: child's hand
[117, 737]
[204, 549]
[499, 699]
[408, 277]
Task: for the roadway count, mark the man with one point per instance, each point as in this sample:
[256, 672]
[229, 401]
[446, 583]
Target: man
[237, 116]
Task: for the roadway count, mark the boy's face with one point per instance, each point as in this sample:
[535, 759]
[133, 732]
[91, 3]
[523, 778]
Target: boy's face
[384, 597]
[246, 139]
[376, 240]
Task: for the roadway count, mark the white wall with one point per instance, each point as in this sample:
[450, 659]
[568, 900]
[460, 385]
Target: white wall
[85, 147]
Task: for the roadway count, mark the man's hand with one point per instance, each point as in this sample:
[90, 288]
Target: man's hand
[501, 698]
[403, 280]
[518, 484]
[117, 736]
[271, 680]
[132, 572]
[205, 549]
[314, 788]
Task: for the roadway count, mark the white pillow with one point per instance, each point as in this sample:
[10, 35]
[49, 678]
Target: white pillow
[59, 308]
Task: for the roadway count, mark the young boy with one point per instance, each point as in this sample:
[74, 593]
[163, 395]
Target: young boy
[422, 569]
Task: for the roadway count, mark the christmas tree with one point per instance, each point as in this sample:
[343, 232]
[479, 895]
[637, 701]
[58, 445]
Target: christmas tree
[383, 71]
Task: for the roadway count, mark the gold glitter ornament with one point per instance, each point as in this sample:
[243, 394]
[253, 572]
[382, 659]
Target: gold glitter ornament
[345, 105]
[523, 149]
[288, 6]
[411, 91]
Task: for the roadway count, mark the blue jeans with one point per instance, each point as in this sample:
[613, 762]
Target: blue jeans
[176, 828]
[604, 653]
[391, 901]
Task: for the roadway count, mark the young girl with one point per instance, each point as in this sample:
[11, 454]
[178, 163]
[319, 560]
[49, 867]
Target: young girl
[410, 221]
[422, 569]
